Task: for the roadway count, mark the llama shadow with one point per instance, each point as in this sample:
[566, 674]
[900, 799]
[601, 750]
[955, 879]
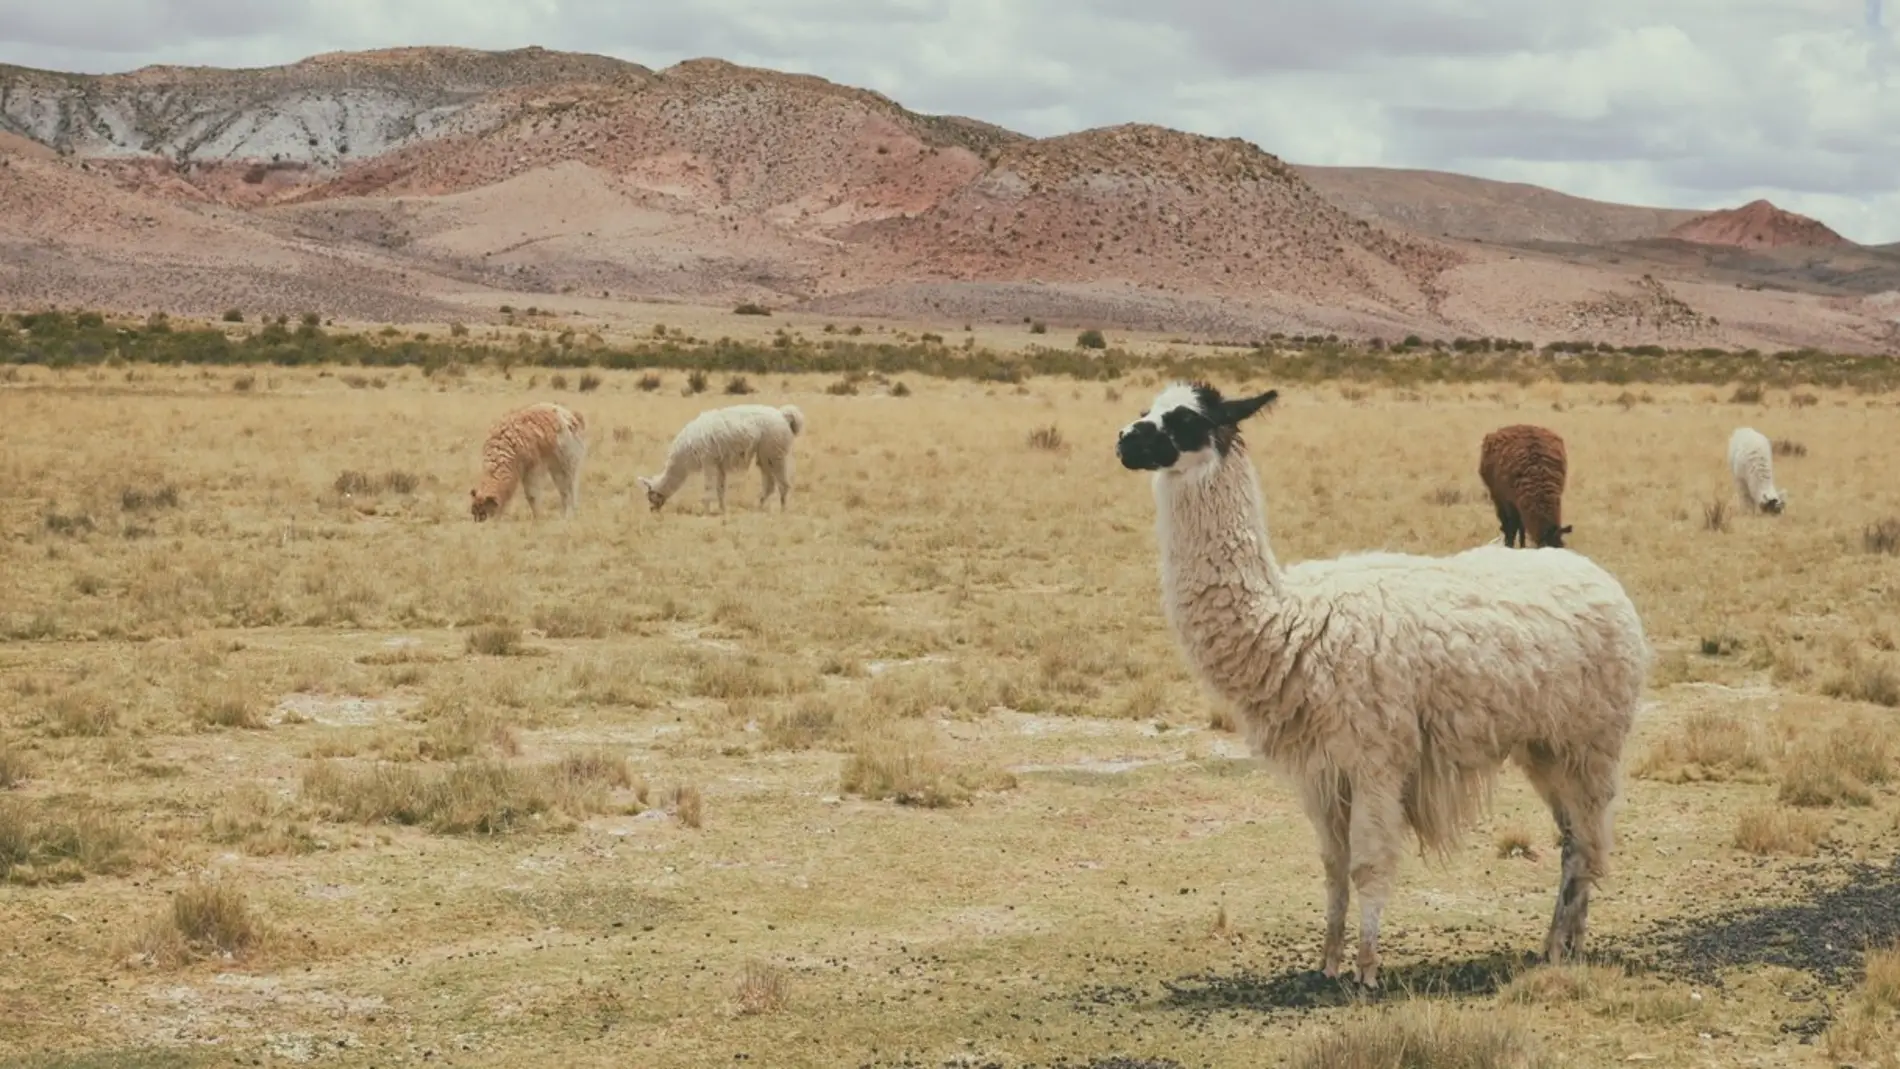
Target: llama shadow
[1824, 933]
[1309, 989]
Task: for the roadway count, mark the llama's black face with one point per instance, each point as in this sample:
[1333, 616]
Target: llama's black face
[1188, 424]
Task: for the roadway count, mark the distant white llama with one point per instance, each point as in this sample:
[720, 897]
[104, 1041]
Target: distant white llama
[1751, 459]
[726, 440]
[543, 438]
[1391, 687]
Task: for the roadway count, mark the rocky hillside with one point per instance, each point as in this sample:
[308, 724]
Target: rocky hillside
[396, 183]
[241, 136]
[1758, 225]
[1202, 214]
[1481, 209]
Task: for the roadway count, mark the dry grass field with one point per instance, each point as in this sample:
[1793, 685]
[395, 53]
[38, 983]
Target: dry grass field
[298, 764]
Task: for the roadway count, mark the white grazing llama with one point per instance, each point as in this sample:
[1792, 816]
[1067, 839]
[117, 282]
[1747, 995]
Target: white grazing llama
[528, 442]
[723, 440]
[1751, 459]
[1390, 687]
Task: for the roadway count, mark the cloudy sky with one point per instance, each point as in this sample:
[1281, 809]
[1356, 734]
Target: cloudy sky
[1687, 103]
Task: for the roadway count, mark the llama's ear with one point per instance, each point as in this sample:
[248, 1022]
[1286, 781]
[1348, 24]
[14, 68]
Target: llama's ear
[1565, 529]
[1232, 412]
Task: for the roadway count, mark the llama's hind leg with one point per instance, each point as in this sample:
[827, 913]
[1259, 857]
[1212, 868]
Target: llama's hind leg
[1580, 796]
[567, 474]
[1375, 830]
[1329, 806]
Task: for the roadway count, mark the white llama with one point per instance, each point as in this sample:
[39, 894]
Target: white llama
[1391, 687]
[723, 440]
[1751, 460]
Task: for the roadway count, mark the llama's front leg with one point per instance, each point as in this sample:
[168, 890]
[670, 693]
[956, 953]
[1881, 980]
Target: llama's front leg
[530, 493]
[1508, 522]
[1376, 829]
[1330, 809]
[719, 487]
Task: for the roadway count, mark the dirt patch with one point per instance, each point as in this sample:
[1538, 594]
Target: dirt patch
[338, 710]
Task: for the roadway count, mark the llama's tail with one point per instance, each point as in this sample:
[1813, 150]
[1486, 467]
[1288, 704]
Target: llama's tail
[1444, 799]
[794, 417]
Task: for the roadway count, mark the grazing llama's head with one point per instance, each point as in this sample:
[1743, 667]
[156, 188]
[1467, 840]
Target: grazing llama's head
[654, 498]
[482, 506]
[1774, 500]
[1188, 429]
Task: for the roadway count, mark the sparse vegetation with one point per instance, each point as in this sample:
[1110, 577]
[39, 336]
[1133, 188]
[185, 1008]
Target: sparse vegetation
[430, 752]
[1715, 515]
[66, 339]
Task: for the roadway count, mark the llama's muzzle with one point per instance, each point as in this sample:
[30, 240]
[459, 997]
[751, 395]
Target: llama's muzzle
[1143, 446]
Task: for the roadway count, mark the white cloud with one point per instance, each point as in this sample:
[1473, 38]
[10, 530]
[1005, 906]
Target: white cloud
[1691, 103]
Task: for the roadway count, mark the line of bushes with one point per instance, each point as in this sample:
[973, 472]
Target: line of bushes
[68, 339]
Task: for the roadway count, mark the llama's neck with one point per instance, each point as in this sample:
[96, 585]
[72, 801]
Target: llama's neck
[668, 482]
[1220, 583]
[498, 481]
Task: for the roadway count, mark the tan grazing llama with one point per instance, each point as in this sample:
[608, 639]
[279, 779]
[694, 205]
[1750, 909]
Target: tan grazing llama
[540, 440]
[1390, 687]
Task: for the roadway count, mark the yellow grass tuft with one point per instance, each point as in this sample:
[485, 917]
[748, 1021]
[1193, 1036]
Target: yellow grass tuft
[1709, 745]
[206, 919]
[910, 769]
[1840, 767]
[1868, 1025]
[762, 989]
[42, 842]
[482, 797]
[688, 805]
[1425, 1034]
[1515, 841]
[1762, 830]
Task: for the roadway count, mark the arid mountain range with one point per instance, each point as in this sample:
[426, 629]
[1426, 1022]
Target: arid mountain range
[428, 184]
